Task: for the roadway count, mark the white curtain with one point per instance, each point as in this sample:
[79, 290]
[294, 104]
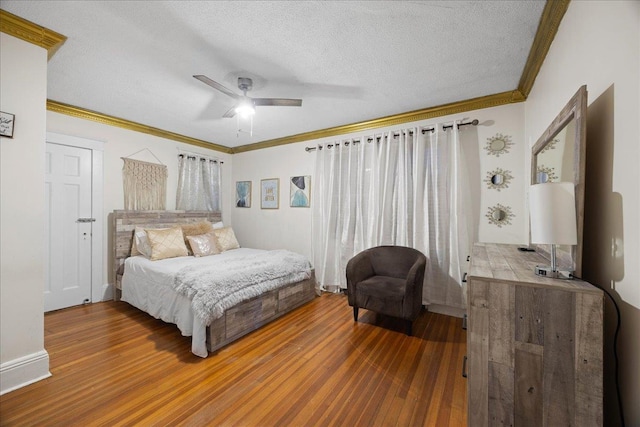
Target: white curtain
[407, 190]
[198, 183]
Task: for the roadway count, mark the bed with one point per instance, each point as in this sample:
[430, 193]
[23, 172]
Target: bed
[147, 284]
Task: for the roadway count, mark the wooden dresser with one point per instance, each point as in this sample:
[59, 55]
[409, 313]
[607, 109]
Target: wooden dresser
[534, 344]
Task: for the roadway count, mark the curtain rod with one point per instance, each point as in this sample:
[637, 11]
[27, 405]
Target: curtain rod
[202, 157]
[473, 122]
[182, 152]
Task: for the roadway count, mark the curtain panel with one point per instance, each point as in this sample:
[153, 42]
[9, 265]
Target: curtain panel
[198, 184]
[407, 190]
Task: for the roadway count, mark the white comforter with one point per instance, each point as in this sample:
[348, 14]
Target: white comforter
[149, 286]
[219, 285]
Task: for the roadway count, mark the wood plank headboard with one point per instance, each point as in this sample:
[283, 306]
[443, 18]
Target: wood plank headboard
[125, 222]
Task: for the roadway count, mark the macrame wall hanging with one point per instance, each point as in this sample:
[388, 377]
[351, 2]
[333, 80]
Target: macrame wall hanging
[145, 184]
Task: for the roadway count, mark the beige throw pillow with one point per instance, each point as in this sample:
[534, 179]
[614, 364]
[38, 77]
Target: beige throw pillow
[226, 239]
[195, 229]
[204, 244]
[140, 244]
[166, 243]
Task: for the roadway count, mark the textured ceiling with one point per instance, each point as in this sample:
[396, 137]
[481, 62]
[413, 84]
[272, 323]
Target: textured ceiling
[350, 61]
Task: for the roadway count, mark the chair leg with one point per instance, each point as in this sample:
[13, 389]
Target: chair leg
[408, 327]
[355, 313]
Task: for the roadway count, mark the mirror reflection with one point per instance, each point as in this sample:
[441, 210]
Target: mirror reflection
[498, 179]
[497, 145]
[499, 215]
[543, 177]
[556, 159]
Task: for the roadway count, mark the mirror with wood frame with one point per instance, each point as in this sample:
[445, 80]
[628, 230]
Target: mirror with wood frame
[559, 156]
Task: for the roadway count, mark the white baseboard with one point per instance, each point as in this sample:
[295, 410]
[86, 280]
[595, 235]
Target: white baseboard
[447, 310]
[23, 371]
[105, 293]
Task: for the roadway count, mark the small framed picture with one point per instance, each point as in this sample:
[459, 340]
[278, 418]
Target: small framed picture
[6, 124]
[269, 193]
[300, 191]
[243, 194]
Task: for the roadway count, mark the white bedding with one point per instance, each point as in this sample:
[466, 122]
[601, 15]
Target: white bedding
[149, 286]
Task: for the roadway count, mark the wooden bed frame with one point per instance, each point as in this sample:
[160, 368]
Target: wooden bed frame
[238, 320]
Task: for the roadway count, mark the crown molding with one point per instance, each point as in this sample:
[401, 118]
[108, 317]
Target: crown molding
[552, 15]
[70, 110]
[30, 32]
[488, 101]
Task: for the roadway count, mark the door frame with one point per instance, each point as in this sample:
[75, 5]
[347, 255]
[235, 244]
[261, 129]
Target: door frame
[99, 290]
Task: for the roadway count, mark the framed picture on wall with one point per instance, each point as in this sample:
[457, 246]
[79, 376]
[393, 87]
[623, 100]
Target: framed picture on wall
[300, 191]
[270, 193]
[6, 124]
[243, 194]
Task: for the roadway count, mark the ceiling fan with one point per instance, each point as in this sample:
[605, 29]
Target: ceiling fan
[245, 105]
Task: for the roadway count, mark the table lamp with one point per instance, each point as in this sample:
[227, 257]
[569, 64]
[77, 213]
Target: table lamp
[552, 211]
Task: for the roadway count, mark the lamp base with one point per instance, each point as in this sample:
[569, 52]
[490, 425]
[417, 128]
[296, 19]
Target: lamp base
[549, 272]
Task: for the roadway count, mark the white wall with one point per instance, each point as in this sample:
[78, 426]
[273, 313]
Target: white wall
[290, 228]
[119, 142]
[23, 92]
[598, 44]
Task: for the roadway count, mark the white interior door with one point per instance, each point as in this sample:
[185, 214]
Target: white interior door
[69, 226]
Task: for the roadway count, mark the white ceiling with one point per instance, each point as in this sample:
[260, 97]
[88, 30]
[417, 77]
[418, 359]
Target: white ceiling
[350, 61]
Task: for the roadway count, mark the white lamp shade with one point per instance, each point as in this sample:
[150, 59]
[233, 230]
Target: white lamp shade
[552, 209]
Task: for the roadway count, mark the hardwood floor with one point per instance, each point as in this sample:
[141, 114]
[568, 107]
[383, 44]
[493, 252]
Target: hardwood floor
[115, 365]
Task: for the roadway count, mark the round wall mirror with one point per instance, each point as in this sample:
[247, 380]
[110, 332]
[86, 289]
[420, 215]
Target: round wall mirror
[546, 174]
[499, 215]
[543, 177]
[498, 179]
[498, 144]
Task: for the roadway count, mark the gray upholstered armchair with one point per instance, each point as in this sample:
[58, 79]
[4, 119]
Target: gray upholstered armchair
[387, 280]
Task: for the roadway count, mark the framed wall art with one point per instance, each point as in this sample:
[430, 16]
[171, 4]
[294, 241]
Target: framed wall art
[300, 191]
[243, 194]
[6, 124]
[270, 193]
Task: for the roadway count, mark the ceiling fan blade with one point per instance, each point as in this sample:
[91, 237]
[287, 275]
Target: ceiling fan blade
[230, 113]
[278, 102]
[216, 85]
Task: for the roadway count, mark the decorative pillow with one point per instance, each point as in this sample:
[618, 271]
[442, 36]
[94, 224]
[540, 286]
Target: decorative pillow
[204, 244]
[226, 239]
[195, 229]
[140, 244]
[218, 224]
[166, 243]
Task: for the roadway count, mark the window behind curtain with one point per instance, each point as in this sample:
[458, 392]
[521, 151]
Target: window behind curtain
[198, 183]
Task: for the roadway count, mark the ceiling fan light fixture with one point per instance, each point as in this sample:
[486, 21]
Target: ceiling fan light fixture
[245, 105]
[245, 109]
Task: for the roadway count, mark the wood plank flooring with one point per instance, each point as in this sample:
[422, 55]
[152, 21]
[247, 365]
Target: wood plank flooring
[115, 365]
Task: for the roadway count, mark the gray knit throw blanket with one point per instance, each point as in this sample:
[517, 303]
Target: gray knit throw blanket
[215, 288]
